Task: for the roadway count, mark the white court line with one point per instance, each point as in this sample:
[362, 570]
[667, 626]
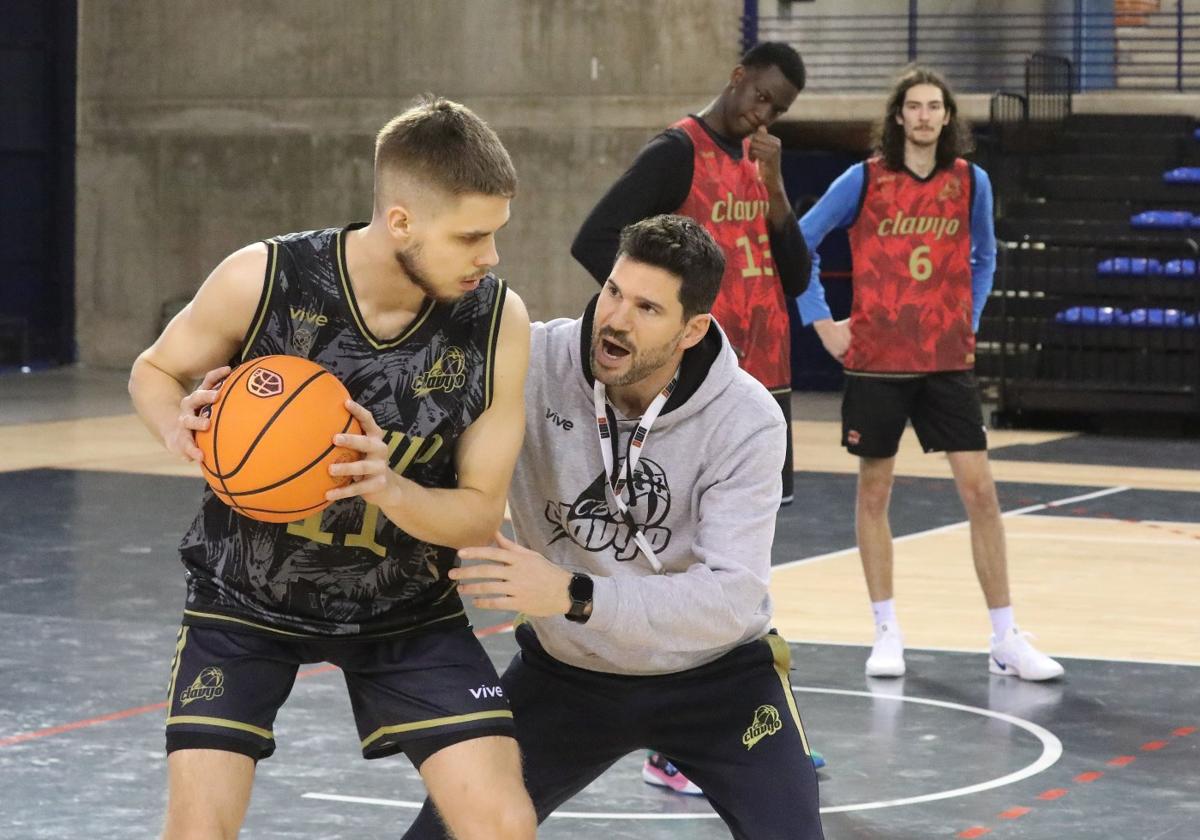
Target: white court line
[1051, 752]
[954, 525]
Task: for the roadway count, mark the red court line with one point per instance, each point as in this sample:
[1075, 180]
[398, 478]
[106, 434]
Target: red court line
[21, 737]
[79, 724]
[1053, 793]
[494, 629]
[1014, 812]
[1083, 779]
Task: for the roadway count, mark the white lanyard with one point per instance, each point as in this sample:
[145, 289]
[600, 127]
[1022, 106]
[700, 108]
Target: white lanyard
[615, 484]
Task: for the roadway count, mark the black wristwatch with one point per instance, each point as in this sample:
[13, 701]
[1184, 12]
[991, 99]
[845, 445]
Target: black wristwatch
[579, 590]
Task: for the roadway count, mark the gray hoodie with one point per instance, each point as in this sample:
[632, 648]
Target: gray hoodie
[707, 488]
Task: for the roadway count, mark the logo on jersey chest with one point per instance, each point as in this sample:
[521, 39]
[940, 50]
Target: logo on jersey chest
[902, 225]
[302, 315]
[448, 373]
[729, 209]
[305, 323]
[951, 190]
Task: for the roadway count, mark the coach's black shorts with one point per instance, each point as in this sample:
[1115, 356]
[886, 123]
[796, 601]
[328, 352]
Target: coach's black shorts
[413, 694]
[731, 726]
[945, 410]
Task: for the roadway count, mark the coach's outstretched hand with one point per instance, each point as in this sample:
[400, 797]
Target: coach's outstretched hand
[511, 577]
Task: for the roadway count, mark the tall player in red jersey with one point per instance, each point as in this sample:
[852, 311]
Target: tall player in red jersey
[924, 251]
[722, 168]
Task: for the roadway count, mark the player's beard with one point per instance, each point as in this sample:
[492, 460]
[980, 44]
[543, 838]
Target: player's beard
[410, 262]
[641, 363]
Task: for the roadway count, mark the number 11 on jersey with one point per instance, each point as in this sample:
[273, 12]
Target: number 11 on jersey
[420, 450]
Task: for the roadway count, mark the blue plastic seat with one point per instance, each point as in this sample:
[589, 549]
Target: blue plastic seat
[1162, 219]
[1182, 175]
[1182, 268]
[1092, 316]
[1154, 318]
[1129, 266]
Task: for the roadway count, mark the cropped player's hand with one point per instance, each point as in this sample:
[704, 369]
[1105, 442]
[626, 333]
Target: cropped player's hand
[370, 476]
[835, 335]
[181, 438]
[508, 576]
[767, 150]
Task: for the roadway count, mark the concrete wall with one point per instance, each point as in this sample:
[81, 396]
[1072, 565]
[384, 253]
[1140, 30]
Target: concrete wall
[204, 126]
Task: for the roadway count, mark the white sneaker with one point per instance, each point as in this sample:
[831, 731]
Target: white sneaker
[887, 654]
[1014, 656]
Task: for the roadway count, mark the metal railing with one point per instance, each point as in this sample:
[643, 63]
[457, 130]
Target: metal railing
[985, 51]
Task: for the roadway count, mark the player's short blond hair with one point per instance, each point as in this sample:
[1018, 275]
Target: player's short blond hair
[444, 145]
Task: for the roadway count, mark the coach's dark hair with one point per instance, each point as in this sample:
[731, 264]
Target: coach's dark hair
[683, 247]
[447, 145]
[777, 54]
[888, 136]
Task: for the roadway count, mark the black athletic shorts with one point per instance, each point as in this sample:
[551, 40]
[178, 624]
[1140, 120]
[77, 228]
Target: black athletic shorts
[731, 726]
[413, 694]
[945, 410]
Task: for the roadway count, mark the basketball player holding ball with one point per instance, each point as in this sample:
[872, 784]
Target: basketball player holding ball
[433, 349]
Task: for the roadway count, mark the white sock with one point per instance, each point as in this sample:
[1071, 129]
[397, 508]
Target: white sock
[885, 613]
[1002, 621]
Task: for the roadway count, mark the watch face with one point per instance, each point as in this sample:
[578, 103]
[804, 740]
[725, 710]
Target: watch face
[580, 588]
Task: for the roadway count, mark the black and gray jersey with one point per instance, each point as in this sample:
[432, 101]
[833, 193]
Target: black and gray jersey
[348, 570]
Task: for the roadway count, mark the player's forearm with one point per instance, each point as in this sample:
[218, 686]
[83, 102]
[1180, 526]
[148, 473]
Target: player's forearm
[793, 263]
[156, 396]
[781, 209]
[456, 517]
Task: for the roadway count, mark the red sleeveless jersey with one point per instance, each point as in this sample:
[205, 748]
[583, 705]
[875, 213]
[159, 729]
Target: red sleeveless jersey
[911, 250]
[731, 202]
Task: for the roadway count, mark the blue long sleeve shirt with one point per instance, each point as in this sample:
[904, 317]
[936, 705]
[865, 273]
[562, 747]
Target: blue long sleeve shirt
[838, 208]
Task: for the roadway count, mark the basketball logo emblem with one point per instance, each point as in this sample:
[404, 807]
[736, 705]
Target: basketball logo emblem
[448, 374]
[952, 191]
[264, 383]
[208, 685]
[593, 523]
[766, 722]
[302, 341]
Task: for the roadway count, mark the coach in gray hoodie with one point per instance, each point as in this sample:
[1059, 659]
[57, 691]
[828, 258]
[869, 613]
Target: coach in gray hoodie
[644, 506]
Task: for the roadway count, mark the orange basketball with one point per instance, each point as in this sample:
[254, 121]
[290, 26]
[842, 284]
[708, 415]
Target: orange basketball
[269, 444]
